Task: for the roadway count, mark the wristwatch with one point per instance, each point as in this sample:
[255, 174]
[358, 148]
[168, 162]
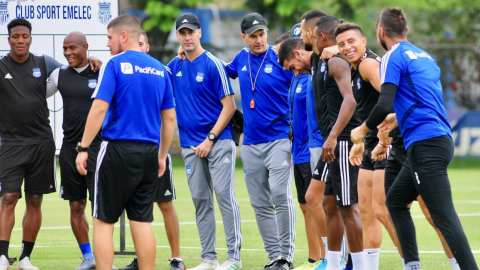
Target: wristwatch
[212, 137]
[81, 149]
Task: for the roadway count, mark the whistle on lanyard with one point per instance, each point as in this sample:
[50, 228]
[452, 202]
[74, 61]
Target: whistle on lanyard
[252, 104]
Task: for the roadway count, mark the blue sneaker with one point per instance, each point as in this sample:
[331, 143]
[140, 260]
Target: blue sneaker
[348, 268]
[322, 265]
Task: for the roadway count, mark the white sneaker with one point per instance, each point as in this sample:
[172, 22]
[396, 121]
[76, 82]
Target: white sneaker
[206, 265]
[25, 264]
[230, 264]
[4, 264]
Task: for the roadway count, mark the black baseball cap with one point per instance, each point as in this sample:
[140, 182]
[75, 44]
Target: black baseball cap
[253, 22]
[187, 20]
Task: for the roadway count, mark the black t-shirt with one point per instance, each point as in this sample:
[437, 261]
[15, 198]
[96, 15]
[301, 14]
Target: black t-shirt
[23, 106]
[76, 90]
[397, 141]
[334, 103]
[367, 97]
[320, 96]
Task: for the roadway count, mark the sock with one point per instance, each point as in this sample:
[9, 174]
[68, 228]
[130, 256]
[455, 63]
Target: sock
[333, 260]
[415, 265]
[403, 261]
[27, 248]
[178, 259]
[349, 260]
[372, 258]
[310, 260]
[325, 244]
[86, 251]
[358, 259]
[454, 264]
[4, 248]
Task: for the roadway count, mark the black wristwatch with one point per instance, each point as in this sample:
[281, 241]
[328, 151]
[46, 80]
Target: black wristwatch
[212, 137]
[81, 149]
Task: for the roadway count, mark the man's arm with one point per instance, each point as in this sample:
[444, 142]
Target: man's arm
[370, 71]
[339, 69]
[166, 134]
[52, 83]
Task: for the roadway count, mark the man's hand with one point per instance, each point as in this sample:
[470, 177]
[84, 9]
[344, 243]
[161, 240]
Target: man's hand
[356, 154]
[181, 53]
[204, 148]
[95, 63]
[384, 138]
[81, 163]
[329, 52]
[328, 149]
[379, 153]
[358, 134]
[389, 124]
[162, 165]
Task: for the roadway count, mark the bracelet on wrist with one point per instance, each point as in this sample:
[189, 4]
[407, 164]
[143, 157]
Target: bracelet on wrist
[382, 145]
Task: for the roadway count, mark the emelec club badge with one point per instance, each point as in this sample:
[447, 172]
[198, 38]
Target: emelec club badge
[3, 12]
[268, 68]
[104, 13]
[37, 73]
[92, 83]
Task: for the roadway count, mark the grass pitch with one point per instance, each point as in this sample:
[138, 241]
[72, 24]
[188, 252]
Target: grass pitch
[56, 247]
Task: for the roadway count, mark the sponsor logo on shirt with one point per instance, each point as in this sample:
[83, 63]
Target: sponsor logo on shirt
[179, 74]
[299, 88]
[149, 70]
[8, 76]
[415, 55]
[244, 68]
[189, 169]
[268, 68]
[92, 83]
[37, 73]
[126, 68]
[199, 77]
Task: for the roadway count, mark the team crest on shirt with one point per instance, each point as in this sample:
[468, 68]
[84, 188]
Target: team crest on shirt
[299, 88]
[37, 73]
[92, 83]
[268, 68]
[4, 12]
[359, 85]
[245, 174]
[61, 191]
[324, 66]
[189, 169]
[199, 77]
[104, 13]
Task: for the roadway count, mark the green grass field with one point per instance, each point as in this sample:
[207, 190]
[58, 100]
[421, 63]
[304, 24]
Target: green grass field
[56, 247]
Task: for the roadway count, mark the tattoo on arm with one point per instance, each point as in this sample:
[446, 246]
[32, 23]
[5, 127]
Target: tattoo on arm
[339, 69]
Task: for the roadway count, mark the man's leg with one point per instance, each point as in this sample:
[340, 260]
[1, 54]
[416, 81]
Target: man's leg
[7, 219]
[335, 228]
[171, 226]
[256, 178]
[32, 220]
[144, 241]
[314, 198]
[103, 244]
[372, 228]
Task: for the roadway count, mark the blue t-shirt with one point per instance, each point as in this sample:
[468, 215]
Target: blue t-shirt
[199, 87]
[418, 103]
[297, 98]
[137, 87]
[268, 121]
[314, 133]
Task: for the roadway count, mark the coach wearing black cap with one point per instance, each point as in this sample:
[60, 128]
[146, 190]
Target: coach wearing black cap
[187, 20]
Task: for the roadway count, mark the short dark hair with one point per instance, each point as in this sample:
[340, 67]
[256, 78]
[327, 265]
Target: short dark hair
[127, 21]
[286, 51]
[143, 33]
[313, 14]
[394, 21]
[19, 22]
[327, 25]
[344, 27]
[282, 38]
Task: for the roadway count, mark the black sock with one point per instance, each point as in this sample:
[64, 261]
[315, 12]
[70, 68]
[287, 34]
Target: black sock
[349, 261]
[4, 248]
[27, 248]
[310, 260]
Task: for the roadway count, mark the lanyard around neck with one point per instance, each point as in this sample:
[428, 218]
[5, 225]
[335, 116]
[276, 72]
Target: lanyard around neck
[252, 103]
[292, 97]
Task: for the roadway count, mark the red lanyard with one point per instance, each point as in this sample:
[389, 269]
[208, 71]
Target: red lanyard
[252, 103]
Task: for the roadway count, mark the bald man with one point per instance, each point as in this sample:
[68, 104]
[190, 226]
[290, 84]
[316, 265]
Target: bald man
[76, 83]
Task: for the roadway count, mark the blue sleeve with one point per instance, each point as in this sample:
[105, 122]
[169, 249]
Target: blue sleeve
[168, 102]
[392, 67]
[168, 73]
[218, 75]
[232, 68]
[106, 82]
[51, 64]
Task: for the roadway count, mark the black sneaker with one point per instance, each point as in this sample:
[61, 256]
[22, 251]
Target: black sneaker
[177, 265]
[132, 266]
[269, 265]
[282, 264]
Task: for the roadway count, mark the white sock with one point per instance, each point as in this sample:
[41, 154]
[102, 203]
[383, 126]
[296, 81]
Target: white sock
[178, 259]
[358, 259]
[454, 264]
[415, 265]
[325, 244]
[372, 258]
[333, 260]
[403, 261]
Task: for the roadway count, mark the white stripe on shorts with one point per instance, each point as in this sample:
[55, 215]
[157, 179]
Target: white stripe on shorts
[101, 155]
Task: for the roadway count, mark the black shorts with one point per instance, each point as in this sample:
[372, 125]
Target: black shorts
[321, 170]
[342, 176]
[369, 164]
[125, 179]
[303, 176]
[35, 163]
[164, 189]
[74, 185]
[395, 160]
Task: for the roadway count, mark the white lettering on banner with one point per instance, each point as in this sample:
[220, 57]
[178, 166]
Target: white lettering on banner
[468, 142]
[149, 70]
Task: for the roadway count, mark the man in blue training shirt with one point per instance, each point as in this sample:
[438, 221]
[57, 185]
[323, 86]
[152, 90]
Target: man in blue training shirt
[266, 151]
[205, 105]
[410, 81]
[134, 108]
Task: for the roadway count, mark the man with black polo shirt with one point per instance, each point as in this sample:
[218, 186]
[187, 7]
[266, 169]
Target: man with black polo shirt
[266, 152]
[27, 149]
[136, 141]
